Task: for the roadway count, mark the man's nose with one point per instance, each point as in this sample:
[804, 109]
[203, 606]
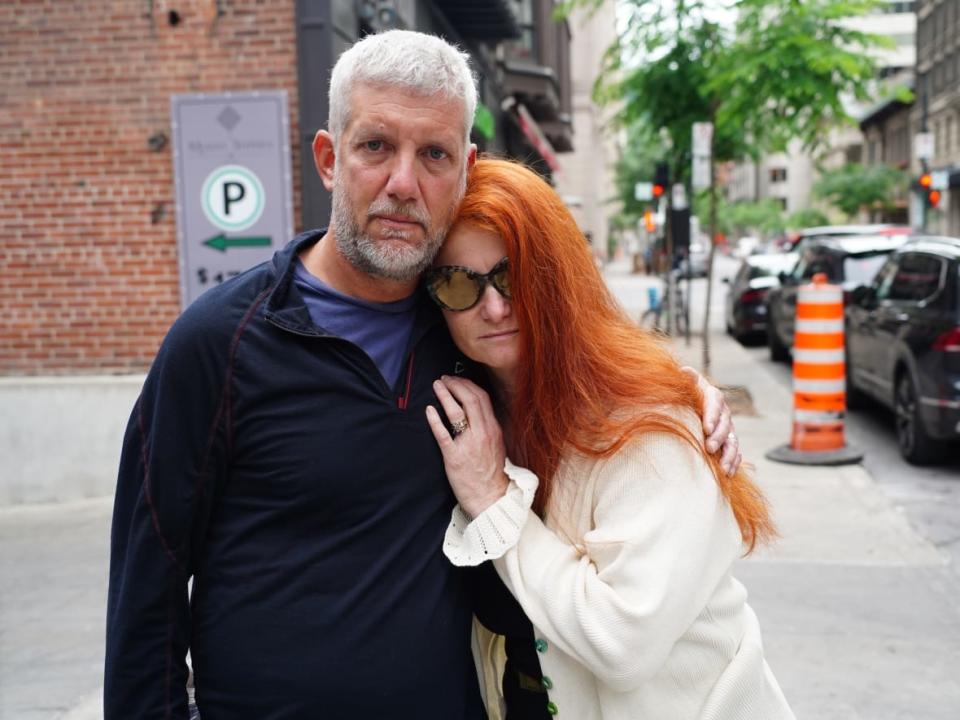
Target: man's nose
[493, 305]
[403, 184]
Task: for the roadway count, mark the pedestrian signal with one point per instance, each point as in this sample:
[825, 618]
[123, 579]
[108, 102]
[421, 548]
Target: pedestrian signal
[649, 222]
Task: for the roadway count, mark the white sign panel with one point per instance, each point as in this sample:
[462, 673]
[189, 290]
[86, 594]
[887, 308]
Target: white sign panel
[679, 197]
[923, 146]
[701, 173]
[643, 191]
[702, 138]
[939, 180]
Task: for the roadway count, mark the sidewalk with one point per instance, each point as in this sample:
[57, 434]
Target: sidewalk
[860, 614]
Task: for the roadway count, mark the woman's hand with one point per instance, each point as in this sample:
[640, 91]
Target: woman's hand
[474, 455]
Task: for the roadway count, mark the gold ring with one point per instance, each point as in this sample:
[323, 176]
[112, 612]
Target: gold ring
[458, 426]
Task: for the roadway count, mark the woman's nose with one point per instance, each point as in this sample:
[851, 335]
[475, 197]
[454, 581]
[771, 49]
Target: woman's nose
[493, 305]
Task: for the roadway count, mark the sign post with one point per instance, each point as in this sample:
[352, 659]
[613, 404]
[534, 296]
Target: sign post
[233, 184]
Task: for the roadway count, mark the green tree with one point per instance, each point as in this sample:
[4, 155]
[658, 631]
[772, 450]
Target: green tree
[780, 73]
[807, 217]
[854, 187]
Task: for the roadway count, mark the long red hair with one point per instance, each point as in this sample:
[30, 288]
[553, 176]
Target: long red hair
[583, 360]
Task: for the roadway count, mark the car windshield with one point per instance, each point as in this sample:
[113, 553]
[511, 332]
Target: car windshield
[861, 269]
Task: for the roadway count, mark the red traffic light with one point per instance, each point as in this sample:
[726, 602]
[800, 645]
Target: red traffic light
[933, 197]
[926, 180]
[657, 190]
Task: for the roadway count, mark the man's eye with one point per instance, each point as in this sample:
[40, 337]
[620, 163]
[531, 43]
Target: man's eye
[436, 154]
[373, 145]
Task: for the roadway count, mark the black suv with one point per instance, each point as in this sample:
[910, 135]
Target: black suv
[847, 261]
[903, 345]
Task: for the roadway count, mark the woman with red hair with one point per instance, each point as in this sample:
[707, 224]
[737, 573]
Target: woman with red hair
[613, 526]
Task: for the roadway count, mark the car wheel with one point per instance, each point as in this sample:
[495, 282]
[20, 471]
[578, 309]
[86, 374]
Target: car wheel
[778, 351]
[916, 446]
[855, 397]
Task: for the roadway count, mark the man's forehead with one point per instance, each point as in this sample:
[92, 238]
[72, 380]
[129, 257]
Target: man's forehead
[379, 103]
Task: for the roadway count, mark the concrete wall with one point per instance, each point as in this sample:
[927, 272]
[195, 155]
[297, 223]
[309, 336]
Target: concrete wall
[60, 437]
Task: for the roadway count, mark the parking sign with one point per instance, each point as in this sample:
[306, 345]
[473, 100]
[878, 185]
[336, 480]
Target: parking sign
[232, 179]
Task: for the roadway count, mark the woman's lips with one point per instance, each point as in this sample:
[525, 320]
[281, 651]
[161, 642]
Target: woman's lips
[499, 335]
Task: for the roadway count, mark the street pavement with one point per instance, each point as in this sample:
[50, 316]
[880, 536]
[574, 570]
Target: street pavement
[860, 611]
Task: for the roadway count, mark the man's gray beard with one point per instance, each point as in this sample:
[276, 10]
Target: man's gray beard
[382, 259]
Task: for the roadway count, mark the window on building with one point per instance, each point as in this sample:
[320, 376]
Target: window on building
[900, 7]
[948, 136]
[778, 175]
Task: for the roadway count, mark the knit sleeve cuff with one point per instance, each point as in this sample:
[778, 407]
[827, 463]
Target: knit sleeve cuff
[497, 529]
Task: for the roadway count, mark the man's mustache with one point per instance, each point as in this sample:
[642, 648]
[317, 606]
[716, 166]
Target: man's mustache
[407, 212]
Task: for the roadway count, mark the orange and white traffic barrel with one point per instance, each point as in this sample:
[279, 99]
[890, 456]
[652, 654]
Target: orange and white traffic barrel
[819, 392]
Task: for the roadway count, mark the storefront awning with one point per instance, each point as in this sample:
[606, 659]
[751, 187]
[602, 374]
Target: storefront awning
[534, 134]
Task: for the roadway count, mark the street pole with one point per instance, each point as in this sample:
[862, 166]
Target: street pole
[713, 247]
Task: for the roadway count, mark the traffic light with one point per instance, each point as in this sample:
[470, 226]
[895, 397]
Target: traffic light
[661, 178]
[931, 196]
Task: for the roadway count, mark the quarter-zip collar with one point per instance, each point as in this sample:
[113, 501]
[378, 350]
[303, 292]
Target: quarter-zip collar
[285, 308]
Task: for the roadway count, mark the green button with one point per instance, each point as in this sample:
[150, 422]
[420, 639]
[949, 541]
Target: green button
[541, 645]
[546, 682]
[552, 708]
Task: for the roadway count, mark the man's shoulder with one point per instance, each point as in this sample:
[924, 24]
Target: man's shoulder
[225, 305]
[211, 322]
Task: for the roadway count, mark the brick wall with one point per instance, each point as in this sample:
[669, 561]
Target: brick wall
[88, 254]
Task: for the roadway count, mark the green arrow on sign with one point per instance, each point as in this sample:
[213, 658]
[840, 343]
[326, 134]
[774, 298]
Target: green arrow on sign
[221, 242]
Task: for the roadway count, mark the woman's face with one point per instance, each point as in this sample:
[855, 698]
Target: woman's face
[487, 332]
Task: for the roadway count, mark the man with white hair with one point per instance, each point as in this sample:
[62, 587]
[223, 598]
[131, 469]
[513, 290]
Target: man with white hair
[279, 455]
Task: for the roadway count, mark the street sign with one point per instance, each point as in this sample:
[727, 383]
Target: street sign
[643, 191]
[700, 180]
[923, 146]
[679, 197]
[702, 138]
[940, 180]
[232, 197]
[233, 184]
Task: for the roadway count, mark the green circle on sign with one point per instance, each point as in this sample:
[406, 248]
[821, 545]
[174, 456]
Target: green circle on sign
[232, 197]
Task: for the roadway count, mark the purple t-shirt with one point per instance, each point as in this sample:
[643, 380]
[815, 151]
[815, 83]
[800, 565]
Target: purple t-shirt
[382, 330]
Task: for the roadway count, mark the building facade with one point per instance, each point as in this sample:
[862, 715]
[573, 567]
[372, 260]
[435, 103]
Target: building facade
[586, 181]
[937, 105]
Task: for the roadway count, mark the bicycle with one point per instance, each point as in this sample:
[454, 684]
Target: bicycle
[657, 316]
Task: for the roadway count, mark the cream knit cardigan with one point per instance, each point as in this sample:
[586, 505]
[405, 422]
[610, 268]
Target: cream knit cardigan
[628, 586]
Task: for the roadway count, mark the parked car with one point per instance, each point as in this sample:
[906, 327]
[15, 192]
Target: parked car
[745, 246]
[903, 345]
[847, 261]
[837, 231]
[746, 311]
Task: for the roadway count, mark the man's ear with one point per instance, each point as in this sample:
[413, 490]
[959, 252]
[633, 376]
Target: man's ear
[471, 156]
[324, 157]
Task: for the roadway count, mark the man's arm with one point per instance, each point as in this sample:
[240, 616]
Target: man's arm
[173, 454]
